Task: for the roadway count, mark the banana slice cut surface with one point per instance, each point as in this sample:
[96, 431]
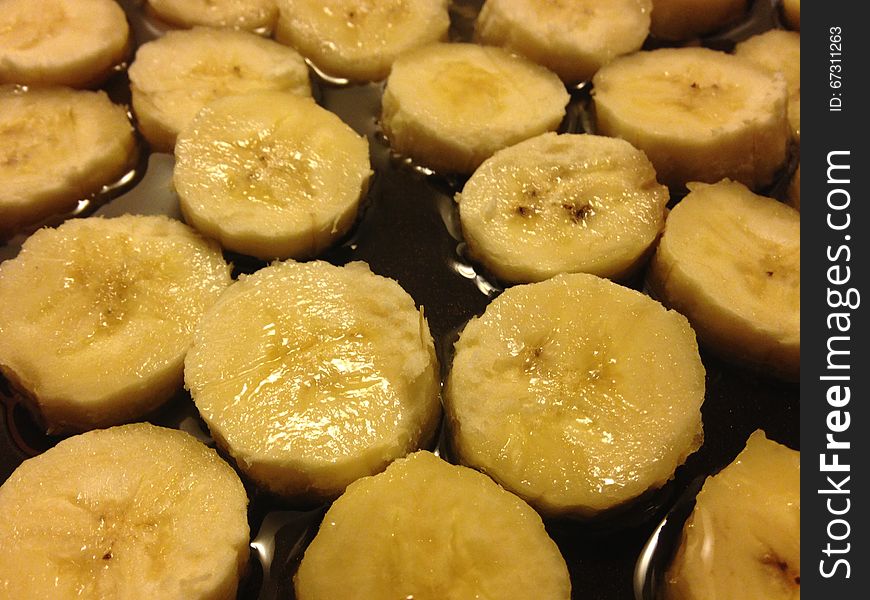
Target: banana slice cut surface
[429, 529]
[75, 43]
[131, 512]
[778, 51]
[573, 39]
[312, 376]
[360, 39]
[57, 146]
[698, 114]
[687, 19]
[270, 174]
[743, 538]
[562, 203]
[451, 106]
[173, 77]
[249, 15]
[730, 261]
[97, 315]
[576, 393]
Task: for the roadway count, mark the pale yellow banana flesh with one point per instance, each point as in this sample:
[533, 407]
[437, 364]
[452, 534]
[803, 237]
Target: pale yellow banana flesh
[312, 376]
[360, 39]
[687, 19]
[593, 394]
[173, 77]
[698, 114]
[451, 106]
[75, 43]
[249, 15]
[270, 174]
[730, 261]
[561, 204]
[778, 51]
[57, 146]
[743, 538]
[573, 39]
[131, 512]
[112, 304]
[429, 529]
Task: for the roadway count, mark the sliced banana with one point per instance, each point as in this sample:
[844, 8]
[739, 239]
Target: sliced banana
[687, 19]
[791, 11]
[57, 146]
[250, 15]
[778, 51]
[360, 39]
[730, 261]
[794, 189]
[572, 39]
[312, 376]
[699, 114]
[270, 174]
[136, 511]
[743, 538]
[429, 529]
[562, 203]
[173, 77]
[76, 43]
[577, 394]
[97, 315]
[451, 106]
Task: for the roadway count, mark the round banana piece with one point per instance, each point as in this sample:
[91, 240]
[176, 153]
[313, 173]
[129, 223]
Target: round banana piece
[778, 51]
[794, 189]
[57, 146]
[562, 203]
[360, 39]
[133, 512]
[312, 376]
[75, 43]
[698, 114]
[451, 106]
[270, 174]
[743, 537]
[577, 394]
[730, 261]
[429, 529]
[572, 39]
[97, 315]
[791, 12]
[249, 15]
[686, 19]
[173, 77]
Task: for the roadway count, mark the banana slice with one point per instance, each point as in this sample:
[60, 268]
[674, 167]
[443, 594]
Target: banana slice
[572, 39]
[699, 114]
[743, 538]
[592, 394]
[794, 189]
[61, 42]
[451, 106]
[270, 174]
[312, 376]
[791, 11]
[97, 315]
[250, 15]
[429, 529]
[562, 203]
[778, 51]
[730, 261]
[173, 77]
[57, 146]
[360, 39]
[136, 511]
[687, 19]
